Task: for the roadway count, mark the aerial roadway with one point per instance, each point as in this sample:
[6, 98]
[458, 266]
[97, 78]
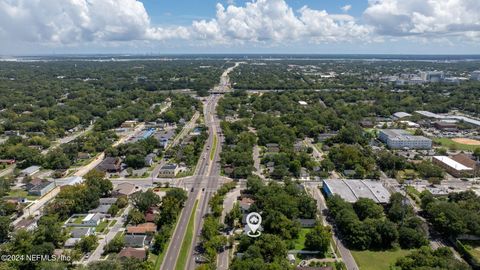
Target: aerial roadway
[204, 185]
[206, 181]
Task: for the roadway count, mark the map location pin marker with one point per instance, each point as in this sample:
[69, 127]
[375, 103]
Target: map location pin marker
[253, 222]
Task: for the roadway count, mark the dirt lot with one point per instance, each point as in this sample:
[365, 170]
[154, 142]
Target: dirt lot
[466, 141]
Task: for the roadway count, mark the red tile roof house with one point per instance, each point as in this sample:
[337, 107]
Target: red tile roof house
[140, 254]
[144, 228]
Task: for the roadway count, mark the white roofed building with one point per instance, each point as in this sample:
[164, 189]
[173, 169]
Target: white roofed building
[452, 167]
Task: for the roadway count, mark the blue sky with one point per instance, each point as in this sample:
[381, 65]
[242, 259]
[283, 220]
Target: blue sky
[184, 11]
[240, 26]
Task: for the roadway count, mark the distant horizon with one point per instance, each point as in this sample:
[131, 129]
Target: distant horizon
[223, 26]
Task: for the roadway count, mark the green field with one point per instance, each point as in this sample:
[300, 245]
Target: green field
[214, 147]
[19, 193]
[187, 241]
[300, 242]
[378, 260]
[448, 143]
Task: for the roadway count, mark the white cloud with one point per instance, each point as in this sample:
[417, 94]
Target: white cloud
[76, 21]
[273, 21]
[433, 18]
[346, 8]
[261, 23]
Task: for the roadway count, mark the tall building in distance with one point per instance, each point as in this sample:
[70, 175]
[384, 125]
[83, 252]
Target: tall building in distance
[400, 139]
[475, 75]
[432, 76]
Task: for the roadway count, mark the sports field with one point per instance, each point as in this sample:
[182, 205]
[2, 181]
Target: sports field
[466, 141]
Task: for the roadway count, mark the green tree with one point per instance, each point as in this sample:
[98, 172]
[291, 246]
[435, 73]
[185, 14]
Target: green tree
[135, 217]
[318, 239]
[115, 245]
[87, 243]
[144, 200]
[5, 228]
[367, 208]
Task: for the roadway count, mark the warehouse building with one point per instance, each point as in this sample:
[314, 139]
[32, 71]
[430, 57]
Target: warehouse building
[452, 167]
[352, 190]
[400, 139]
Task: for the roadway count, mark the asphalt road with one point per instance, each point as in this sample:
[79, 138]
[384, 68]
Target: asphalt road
[212, 183]
[204, 168]
[322, 207]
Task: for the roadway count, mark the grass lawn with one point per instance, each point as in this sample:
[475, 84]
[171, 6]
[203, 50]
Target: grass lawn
[21, 193]
[446, 142]
[378, 260]
[78, 220]
[473, 247]
[187, 241]
[300, 242]
[152, 258]
[113, 222]
[214, 147]
[101, 226]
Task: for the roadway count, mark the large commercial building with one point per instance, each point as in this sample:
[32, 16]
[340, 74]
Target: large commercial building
[475, 75]
[432, 76]
[400, 139]
[352, 190]
[452, 167]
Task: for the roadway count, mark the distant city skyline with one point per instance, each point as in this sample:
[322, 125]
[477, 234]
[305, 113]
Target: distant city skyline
[30, 27]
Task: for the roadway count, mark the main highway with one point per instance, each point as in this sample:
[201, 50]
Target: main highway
[202, 189]
[206, 181]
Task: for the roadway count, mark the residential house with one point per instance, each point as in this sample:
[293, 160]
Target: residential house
[169, 170]
[129, 124]
[298, 146]
[11, 133]
[150, 217]
[307, 222]
[30, 171]
[273, 147]
[82, 232]
[108, 201]
[102, 209]
[7, 161]
[245, 204]
[93, 219]
[110, 164]
[69, 181]
[135, 240]
[140, 254]
[41, 189]
[83, 156]
[124, 189]
[325, 136]
[28, 224]
[71, 242]
[149, 159]
[144, 228]
[367, 124]
[304, 175]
